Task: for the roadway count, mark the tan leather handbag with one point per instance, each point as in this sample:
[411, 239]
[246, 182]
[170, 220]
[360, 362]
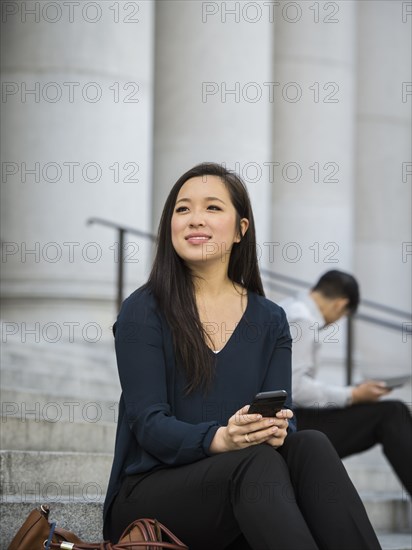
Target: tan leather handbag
[37, 533]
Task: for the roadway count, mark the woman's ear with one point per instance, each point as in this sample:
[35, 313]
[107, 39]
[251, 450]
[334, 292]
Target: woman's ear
[244, 226]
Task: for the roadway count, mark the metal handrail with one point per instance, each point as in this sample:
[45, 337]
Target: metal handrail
[122, 230]
[358, 316]
[368, 303]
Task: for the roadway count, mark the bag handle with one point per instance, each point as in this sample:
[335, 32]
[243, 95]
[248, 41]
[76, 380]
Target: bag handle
[151, 530]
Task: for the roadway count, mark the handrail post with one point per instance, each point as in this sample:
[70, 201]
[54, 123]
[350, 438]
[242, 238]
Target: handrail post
[120, 270]
[349, 350]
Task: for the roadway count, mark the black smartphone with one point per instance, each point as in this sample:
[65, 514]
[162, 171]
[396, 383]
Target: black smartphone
[268, 403]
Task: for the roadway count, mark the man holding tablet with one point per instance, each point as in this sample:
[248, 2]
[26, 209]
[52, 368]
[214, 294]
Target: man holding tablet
[352, 417]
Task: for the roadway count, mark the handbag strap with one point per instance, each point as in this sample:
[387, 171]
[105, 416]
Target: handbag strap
[51, 533]
[173, 537]
[151, 530]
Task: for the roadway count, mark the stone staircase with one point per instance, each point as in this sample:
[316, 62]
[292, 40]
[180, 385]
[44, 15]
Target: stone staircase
[57, 433]
[57, 437]
[387, 503]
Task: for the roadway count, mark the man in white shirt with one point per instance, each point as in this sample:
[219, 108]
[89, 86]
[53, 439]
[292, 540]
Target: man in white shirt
[352, 417]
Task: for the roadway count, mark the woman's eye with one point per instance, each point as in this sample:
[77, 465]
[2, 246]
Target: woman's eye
[213, 207]
[181, 208]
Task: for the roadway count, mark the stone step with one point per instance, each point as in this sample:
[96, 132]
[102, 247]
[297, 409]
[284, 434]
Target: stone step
[65, 360]
[59, 382]
[61, 357]
[32, 435]
[64, 368]
[86, 360]
[53, 475]
[18, 352]
[385, 499]
[395, 541]
[85, 519]
[83, 371]
[387, 511]
[380, 480]
[371, 470]
[28, 404]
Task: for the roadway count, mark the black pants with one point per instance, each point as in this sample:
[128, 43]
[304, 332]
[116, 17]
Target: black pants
[359, 427]
[296, 498]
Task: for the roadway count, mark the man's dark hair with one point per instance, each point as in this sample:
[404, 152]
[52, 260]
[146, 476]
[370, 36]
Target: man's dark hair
[338, 284]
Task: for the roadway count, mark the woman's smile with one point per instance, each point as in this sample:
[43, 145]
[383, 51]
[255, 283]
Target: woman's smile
[197, 238]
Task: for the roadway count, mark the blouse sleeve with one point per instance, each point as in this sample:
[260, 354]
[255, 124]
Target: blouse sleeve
[307, 390]
[142, 371]
[279, 374]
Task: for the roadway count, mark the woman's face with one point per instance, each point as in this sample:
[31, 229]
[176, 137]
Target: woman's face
[203, 223]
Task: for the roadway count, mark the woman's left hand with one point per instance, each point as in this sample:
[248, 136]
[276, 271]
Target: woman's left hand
[282, 423]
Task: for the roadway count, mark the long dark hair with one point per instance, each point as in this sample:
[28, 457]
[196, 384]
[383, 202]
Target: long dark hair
[172, 283]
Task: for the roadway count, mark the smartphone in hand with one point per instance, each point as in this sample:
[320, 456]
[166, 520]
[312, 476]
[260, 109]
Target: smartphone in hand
[268, 403]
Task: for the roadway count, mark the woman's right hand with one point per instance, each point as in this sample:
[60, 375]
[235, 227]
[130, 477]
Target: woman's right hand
[243, 430]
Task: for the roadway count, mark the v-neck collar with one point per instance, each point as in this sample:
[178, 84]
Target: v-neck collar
[236, 329]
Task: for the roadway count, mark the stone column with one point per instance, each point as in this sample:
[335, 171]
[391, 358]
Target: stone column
[313, 127]
[384, 173]
[313, 150]
[213, 94]
[76, 143]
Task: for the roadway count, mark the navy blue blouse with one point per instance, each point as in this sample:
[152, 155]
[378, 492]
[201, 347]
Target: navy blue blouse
[160, 426]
